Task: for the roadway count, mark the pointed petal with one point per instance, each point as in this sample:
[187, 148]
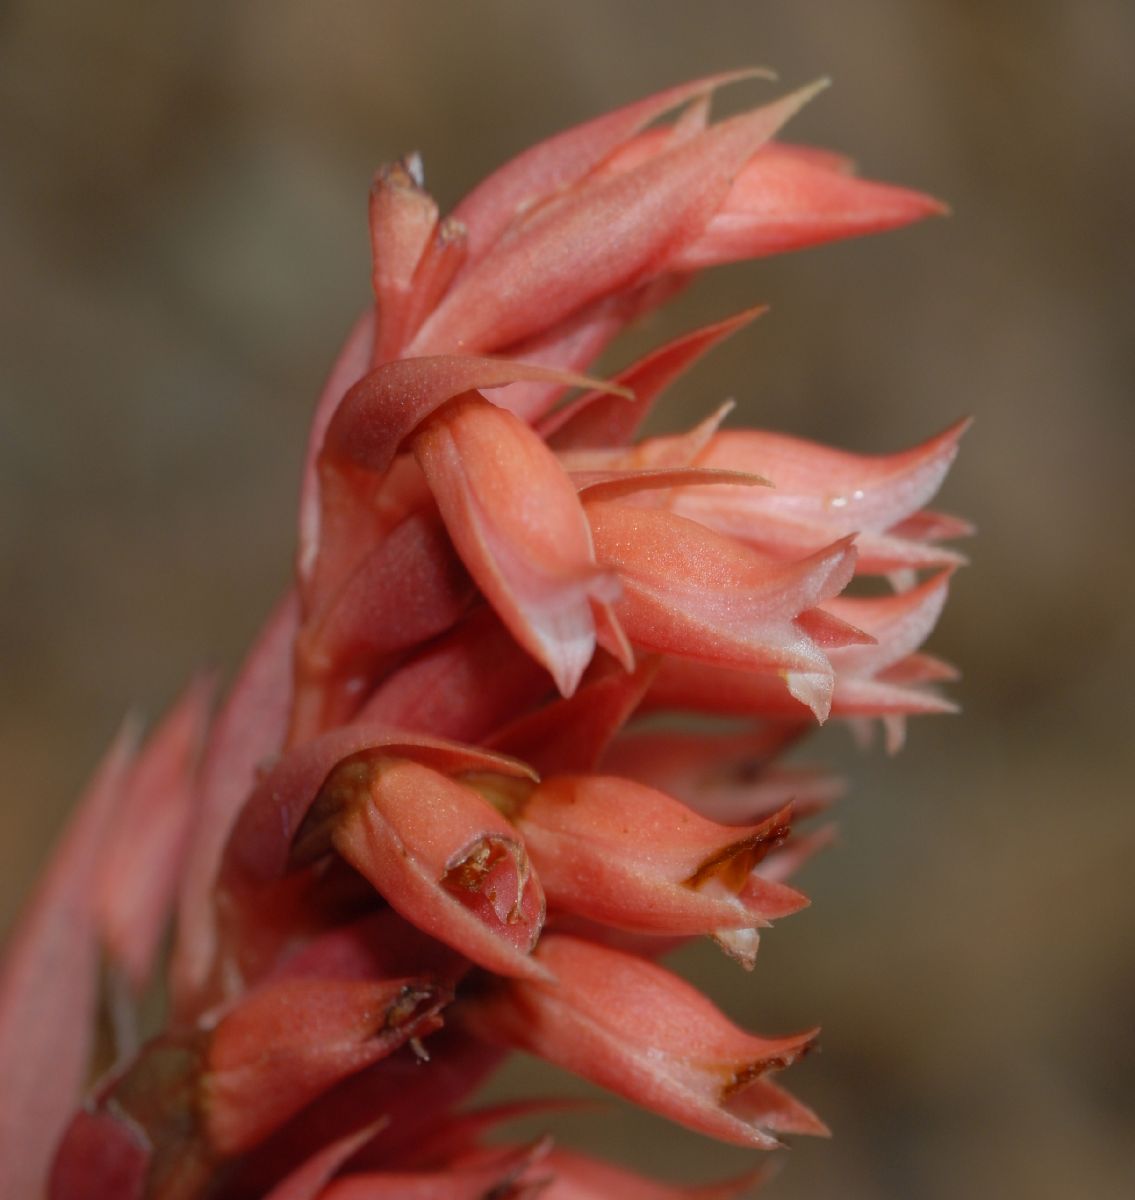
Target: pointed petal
[386, 406]
[782, 201]
[308, 1181]
[878, 698]
[921, 668]
[576, 342]
[461, 1135]
[248, 730]
[403, 218]
[733, 779]
[691, 686]
[445, 255]
[696, 687]
[898, 623]
[614, 232]
[572, 734]
[47, 986]
[560, 161]
[595, 419]
[141, 862]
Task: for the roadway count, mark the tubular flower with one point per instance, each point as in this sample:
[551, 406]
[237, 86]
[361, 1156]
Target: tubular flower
[431, 820]
[680, 874]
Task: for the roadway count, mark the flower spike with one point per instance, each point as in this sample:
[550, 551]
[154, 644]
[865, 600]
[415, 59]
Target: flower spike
[444, 810]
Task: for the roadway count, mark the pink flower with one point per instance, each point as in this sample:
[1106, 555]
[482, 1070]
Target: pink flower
[630, 1026]
[426, 824]
[625, 855]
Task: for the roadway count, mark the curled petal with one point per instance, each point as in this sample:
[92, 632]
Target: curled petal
[517, 523]
[634, 1028]
[439, 854]
[385, 407]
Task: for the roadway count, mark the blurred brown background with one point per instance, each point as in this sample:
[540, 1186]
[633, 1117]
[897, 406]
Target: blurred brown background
[182, 244]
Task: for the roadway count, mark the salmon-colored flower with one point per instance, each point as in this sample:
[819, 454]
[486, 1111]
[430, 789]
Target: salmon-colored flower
[426, 824]
[634, 1028]
[625, 855]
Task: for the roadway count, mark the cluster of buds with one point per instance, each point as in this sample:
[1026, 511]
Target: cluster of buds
[440, 813]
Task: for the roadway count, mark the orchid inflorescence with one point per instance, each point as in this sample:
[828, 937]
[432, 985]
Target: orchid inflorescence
[442, 811]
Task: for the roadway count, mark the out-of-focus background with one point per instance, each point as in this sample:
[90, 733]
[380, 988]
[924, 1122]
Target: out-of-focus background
[182, 244]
